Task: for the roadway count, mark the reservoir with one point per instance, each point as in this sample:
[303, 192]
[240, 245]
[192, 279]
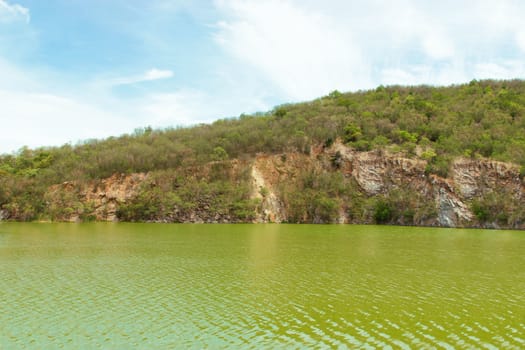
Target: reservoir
[163, 286]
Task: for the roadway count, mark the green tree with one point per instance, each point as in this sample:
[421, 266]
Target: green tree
[352, 132]
[219, 153]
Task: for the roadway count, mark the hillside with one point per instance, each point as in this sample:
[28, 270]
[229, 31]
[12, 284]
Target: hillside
[443, 156]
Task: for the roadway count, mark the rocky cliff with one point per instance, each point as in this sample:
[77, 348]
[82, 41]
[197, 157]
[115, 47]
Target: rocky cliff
[455, 201]
[96, 200]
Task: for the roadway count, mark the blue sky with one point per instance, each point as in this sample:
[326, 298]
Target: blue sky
[72, 70]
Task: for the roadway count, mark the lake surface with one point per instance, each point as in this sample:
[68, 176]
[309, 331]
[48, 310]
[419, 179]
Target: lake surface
[159, 286]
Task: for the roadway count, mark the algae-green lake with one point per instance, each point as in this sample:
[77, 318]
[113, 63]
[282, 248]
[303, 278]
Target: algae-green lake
[163, 286]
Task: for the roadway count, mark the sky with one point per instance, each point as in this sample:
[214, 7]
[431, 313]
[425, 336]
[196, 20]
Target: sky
[72, 70]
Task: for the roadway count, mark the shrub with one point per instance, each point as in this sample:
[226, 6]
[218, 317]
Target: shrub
[480, 211]
[383, 211]
[439, 166]
[428, 155]
[352, 133]
[264, 191]
[219, 153]
[361, 145]
[329, 142]
[336, 160]
[280, 112]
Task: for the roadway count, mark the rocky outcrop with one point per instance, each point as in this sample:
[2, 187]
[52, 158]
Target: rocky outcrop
[98, 200]
[109, 193]
[452, 211]
[271, 208]
[475, 177]
[376, 173]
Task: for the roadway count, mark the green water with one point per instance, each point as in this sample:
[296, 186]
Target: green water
[259, 286]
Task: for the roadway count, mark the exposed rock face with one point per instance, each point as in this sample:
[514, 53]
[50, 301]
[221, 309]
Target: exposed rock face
[376, 173]
[271, 207]
[99, 198]
[110, 192]
[379, 172]
[452, 211]
[474, 177]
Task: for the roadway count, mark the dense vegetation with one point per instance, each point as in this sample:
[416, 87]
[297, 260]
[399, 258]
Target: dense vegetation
[479, 119]
[220, 193]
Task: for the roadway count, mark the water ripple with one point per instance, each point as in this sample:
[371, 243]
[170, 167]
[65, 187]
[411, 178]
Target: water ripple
[112, 286]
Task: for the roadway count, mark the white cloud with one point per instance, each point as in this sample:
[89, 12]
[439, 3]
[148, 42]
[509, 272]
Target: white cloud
[189, 107]
[39, 119]
[307, 48]
[393, 76]
[14, 78]
[33, 114]
[437, 46]
[502, 70]
[421, 74]
[182, 107]
[154, 74]
[520, 39]
[150, 75]
[13, 12]
[303, 53]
